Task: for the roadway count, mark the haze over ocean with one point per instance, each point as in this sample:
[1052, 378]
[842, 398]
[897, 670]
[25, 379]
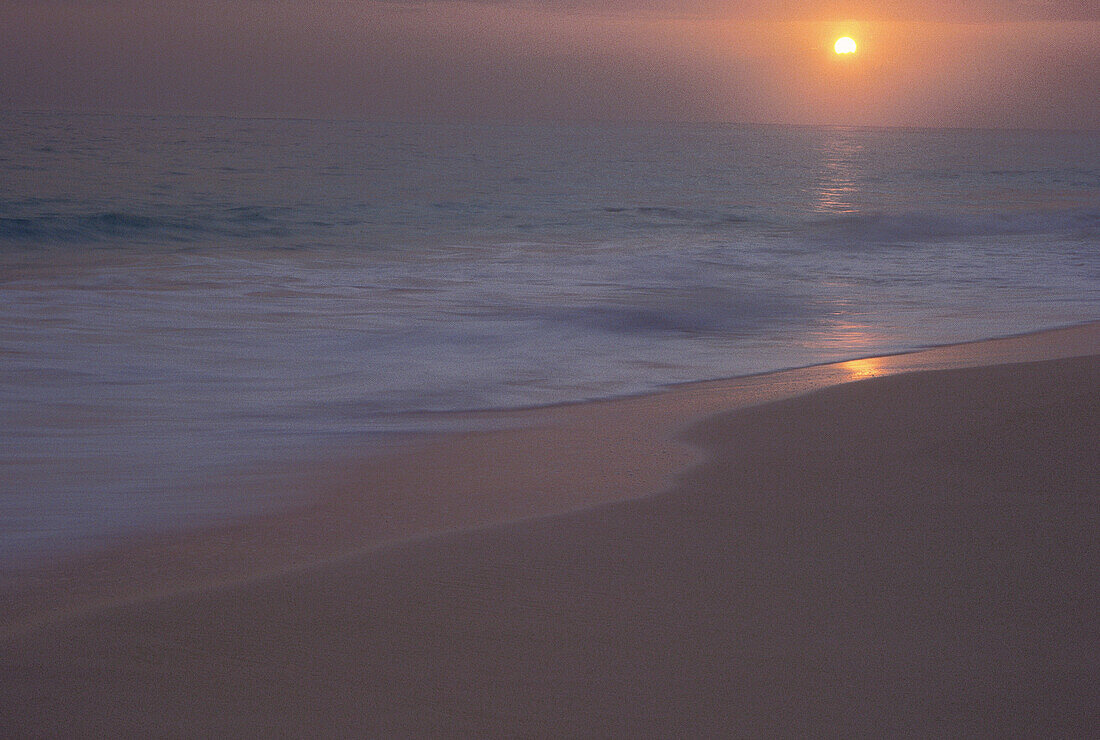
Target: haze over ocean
[179, 294]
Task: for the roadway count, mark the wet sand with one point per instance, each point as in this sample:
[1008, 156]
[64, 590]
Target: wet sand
[909, 554]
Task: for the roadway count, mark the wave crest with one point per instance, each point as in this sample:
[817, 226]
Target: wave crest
[106, 226]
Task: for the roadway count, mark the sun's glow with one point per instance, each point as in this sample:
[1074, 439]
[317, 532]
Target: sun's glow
[845, 45]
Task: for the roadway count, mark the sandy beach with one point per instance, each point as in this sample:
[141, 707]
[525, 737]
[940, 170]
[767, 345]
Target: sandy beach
[899, 545]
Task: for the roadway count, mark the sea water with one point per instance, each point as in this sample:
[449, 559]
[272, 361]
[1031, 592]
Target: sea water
[180, 296]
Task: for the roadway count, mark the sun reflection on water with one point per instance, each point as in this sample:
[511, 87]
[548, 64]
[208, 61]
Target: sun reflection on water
[850, 338]
[837, 189]
[870, 367]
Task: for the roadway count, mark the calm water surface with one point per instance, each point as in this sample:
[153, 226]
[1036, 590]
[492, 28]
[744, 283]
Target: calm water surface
[180, 295]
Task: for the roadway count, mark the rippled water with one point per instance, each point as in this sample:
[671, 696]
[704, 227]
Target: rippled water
[180, 294]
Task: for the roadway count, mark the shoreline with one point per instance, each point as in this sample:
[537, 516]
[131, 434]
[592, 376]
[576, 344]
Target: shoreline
[540, 461]
[914, 554]
[687, 384]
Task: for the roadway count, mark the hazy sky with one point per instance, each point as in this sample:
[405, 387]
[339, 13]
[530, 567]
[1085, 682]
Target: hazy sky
[939, 62]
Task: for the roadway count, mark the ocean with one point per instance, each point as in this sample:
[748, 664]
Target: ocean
[185, 296]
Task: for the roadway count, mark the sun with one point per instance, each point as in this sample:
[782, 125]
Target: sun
[845, 45]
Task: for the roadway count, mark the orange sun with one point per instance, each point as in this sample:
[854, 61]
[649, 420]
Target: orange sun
[845, 45]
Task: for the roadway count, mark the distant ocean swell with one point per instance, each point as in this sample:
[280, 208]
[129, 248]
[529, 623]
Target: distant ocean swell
[123, 228]
[925, 226]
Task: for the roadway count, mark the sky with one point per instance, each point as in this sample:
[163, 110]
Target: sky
[972, 63]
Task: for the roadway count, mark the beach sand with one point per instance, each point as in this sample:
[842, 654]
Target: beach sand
[911, 554]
